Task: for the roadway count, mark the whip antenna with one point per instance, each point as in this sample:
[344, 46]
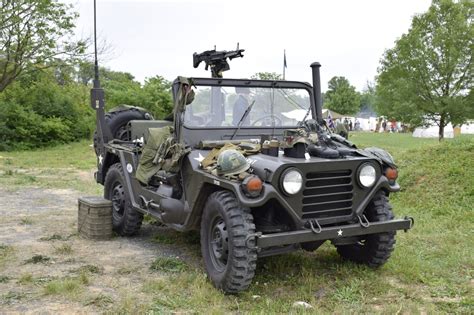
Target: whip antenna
[96, 63]
[97, 98]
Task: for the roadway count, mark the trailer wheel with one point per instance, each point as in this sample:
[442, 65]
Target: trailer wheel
[374, 249]
[117, 122]
[126, 221]
[228, 242]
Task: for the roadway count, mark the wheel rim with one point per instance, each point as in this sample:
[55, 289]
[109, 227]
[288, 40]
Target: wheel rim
[219, 244]
[122, 134]
[118, 200]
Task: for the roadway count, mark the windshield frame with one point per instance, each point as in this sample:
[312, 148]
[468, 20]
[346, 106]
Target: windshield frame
[220, 82]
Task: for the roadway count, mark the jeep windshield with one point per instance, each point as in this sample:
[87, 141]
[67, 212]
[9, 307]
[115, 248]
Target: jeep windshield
[248, 107]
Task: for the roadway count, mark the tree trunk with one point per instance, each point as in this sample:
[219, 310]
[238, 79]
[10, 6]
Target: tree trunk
[441, 128]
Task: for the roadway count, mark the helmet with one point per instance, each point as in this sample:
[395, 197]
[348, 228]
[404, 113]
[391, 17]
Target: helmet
[294, 136]
[231, 162]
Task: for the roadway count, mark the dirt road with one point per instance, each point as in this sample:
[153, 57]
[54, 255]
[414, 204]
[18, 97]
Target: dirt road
[46, 267]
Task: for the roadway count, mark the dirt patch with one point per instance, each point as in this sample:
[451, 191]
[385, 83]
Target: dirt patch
[37, 222]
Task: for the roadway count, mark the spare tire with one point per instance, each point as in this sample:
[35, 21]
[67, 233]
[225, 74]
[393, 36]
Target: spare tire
[117, 120]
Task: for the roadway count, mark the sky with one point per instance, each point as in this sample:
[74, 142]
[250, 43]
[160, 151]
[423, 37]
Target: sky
[159, 37]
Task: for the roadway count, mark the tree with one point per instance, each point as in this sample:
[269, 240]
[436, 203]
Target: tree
[428, 75]
[34, 34]
[341, 96]
[266, 76]
[368, 98]
[158, 98]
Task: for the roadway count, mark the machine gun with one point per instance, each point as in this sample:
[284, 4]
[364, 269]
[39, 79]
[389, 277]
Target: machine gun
[217, 60]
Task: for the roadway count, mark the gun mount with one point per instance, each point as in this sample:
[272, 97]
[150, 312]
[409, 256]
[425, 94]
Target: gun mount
[217, 60]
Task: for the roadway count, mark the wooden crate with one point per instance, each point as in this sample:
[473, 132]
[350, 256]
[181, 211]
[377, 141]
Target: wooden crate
[94, 218]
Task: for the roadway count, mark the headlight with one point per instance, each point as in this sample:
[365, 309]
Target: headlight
[292, 181]
[367, 175]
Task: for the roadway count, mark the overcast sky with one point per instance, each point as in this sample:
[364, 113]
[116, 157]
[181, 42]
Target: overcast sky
[159, 37]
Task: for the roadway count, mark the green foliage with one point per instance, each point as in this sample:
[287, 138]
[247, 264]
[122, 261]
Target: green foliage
[122, 88]
[368, 97]
[342, 97]
[157, 96]
[67, 286]
[168, 264]
[267, 76]
[36, 111]
[429, 72]
[50, 107]
[33, 35]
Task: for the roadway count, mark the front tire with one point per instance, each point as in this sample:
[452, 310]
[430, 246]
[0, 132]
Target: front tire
[374, 249]
[228, 242]
[126, 221]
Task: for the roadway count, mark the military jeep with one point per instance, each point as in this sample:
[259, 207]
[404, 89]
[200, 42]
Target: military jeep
[298, 185]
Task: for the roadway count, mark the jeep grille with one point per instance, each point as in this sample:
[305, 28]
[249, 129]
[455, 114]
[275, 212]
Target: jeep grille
[327, 194]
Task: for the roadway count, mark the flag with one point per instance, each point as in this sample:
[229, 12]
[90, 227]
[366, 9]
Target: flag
[284, 59]
[330, 122]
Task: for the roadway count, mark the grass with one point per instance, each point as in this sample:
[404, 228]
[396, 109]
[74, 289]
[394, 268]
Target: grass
[56, 167]
[100, 301]
[63, 249]
[89, 269]
[4, 279]
[26, 278]
[26, 221]
[70, 287]
[431, 270]
[6, 253]
[37, 259]
[168, 264]
[12, 297]
[54, 237]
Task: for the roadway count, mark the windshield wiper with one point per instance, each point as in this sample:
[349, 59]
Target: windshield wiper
[241, 121]
[301, 123]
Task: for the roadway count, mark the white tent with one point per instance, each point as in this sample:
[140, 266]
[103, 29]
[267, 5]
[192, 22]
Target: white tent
[432, 132]
[298, 114]
[468, 128]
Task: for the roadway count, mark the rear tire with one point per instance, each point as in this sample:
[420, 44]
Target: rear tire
[126, 220]
[374, 249]
[228, 243]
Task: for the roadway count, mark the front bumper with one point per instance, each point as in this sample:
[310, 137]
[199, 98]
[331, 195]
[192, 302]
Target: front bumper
[333, 232]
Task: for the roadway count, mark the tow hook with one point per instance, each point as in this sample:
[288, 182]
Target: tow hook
[363, 221]
[250, 237]
[412, 222]
[312, 223]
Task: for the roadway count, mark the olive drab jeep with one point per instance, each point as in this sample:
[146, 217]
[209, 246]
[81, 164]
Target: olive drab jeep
[252, 165]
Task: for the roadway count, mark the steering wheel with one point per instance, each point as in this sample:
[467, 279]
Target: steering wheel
[278, 121]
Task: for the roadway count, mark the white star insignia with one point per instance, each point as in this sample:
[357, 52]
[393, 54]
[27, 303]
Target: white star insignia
[101, 158]
[339, 233]
[199, 158]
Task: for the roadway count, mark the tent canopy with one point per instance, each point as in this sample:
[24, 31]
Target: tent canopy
[334, 115]
[299, 114]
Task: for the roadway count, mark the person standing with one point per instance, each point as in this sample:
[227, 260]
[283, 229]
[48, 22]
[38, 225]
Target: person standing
[240, 106]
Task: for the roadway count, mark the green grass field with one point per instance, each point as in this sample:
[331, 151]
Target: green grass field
[431, 270]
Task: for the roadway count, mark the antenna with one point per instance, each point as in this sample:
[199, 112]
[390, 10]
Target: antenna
[97, 97]
[96, 63]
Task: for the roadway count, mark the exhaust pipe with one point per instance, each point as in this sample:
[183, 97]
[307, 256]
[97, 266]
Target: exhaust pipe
[318, 100]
